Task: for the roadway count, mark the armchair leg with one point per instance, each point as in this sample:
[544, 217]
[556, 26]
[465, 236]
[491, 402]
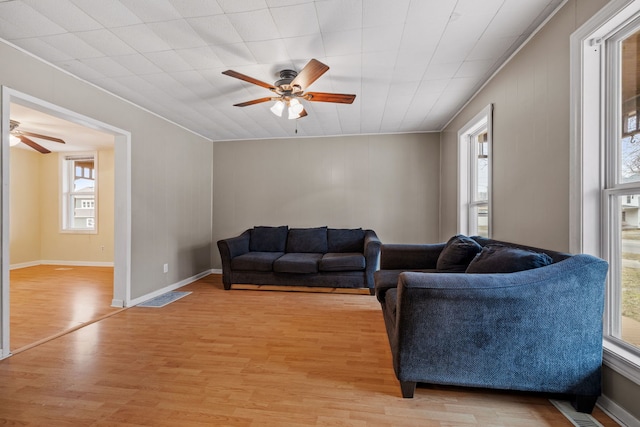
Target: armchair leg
[582, 403]
[407, 387]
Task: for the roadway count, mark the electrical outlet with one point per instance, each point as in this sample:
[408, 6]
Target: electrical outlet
[166, 268]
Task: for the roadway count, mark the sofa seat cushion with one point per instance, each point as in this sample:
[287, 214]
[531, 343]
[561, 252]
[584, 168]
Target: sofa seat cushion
[497, 258]
[300, 263]
[350, 261]
[255, 261]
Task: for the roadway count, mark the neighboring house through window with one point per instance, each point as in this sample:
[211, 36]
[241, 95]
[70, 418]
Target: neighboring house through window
[474, 189]
[79, 198]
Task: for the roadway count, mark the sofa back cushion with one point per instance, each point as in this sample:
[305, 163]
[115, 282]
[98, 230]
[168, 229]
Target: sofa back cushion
[457, 254]
[307, 240]
[345, 240]
[268, 239]
[497, 258]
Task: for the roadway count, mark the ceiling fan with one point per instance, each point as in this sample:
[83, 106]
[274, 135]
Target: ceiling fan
[290, 89]
[18, 136]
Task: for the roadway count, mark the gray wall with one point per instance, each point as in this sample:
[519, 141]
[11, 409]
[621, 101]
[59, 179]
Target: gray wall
[389, 183]
[171, 173]
[531, 150]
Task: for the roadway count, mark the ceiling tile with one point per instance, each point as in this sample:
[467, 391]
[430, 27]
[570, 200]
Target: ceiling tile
[378, 13]
[110, 13]
[106, 66]
[269, 51]
[73, 45]
[152, 10]
[141, 38]
[304, 48]
[295, 21]
[177, 34]
[137, 64]
[339, 15]
[65, 14]
[106, 42]
[215, 30]
[168, 60]
[281, 3]
[200, 58]
[342, 42]
[255, 26]
[381, 39]
[31, 22]
[43, 50]
[234, 54]
[234, 6]
[192, 8]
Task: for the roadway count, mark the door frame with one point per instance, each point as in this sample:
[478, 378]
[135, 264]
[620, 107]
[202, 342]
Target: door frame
[122, 202]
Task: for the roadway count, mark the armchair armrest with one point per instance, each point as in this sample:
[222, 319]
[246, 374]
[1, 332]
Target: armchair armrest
[229, 249]
[371, 256]
[410, 257]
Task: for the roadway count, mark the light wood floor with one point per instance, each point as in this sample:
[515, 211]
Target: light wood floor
[47, 300]
[242, 358]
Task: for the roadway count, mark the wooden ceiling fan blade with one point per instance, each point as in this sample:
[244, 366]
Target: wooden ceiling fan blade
[33, 145]
[253, 102]
[248, 79]
[37, 135]
[341, 98]
[309, 74]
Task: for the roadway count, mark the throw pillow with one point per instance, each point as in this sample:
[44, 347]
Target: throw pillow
[457, 254]
[307, 240]
[268, 239]
[496, 258]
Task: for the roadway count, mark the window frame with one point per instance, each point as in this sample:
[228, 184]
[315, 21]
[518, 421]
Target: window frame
[67, 176]
[592, 212]
[467, 173]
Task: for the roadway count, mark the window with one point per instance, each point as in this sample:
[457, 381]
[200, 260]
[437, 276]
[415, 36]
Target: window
[79, 202]
[475, 176]
[605, 176]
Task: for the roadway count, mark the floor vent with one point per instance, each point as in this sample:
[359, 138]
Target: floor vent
[578, 419]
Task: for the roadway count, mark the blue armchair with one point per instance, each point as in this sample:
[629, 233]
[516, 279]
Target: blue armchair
[534, 330]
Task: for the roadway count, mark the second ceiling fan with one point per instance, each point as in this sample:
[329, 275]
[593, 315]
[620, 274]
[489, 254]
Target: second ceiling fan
[290, 89]
[18, 136]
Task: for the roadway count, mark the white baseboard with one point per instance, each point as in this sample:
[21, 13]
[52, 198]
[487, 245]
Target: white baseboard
[63, 263]
[216, 271]
[619, 414]
[166, 289]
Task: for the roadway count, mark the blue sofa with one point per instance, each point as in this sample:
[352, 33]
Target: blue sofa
[318, 256]
[487, 317]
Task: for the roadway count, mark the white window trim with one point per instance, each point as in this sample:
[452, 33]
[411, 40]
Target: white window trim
[64, 203]
[587, 205]
[464, 192]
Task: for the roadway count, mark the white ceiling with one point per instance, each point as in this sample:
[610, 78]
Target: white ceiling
[411, 63]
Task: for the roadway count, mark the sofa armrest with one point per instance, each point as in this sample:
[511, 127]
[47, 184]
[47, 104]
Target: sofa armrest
[371, 256]
[542, 328]
[229, 249]
[410, 257]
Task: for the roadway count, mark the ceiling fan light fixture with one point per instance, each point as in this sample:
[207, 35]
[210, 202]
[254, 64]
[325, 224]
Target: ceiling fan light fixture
[277, 108]
[295, 108]
[13, 140]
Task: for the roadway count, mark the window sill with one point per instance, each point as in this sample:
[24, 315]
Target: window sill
[78, 231]
[621, 360]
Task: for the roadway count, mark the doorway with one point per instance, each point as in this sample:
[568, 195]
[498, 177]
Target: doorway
[121, 206]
